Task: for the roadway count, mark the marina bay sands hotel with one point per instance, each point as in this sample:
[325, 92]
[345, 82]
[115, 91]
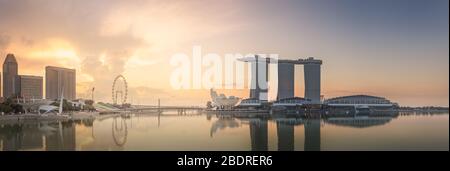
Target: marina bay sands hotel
[286, 68]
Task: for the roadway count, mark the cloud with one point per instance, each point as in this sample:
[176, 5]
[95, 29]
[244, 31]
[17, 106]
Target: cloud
[4, 41]
[163, 25]
[102, 39]
[66, 34]
[102, 70]
[144, 94]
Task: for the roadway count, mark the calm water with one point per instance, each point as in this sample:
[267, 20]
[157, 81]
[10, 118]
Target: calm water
[209, 132]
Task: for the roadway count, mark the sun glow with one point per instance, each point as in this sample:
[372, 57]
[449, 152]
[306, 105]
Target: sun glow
[57, 53]
[55, 48]
[60, 51]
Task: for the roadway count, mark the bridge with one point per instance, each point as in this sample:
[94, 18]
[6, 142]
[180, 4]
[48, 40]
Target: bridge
[181, 110]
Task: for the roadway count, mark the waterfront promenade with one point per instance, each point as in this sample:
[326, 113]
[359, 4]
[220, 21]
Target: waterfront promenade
[35, 117]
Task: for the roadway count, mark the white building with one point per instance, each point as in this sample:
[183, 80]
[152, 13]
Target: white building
[222, 101]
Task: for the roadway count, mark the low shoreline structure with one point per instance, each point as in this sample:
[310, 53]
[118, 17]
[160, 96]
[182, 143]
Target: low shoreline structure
[261, 112]
[56, 118]
[79, 116]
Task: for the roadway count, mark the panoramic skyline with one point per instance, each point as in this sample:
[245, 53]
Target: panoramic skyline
[395, 49]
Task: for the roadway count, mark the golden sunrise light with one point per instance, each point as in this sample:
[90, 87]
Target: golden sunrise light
[234, 75]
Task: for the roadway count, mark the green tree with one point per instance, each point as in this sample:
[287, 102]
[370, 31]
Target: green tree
[209, 105]
[5, 108]
[67, 106]
[10, 106]
[89, 102]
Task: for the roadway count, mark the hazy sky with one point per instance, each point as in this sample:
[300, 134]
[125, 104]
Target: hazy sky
[392, 48]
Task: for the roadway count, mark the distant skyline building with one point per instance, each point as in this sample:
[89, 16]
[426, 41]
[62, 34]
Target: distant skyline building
[360, 101]
[10, 70]
[312, 82]
[311, 70]
[286, 80]
[59, 79]
[29, 87]
[259, 77]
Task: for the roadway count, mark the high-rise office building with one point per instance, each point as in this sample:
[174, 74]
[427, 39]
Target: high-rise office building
[58, 80]
[260, 77]
[10, 68]
[286, 71]
[312, 82]
[29, 87]
[286, 80]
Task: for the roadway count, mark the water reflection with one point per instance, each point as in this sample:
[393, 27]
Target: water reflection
[223, 123]
[38, 136]
[312, 129]
[105, 133]
[258, 134]
[119, 131]
[312, 135]
[147, 132]
[286, 133]
[258, 129]
[361, 121]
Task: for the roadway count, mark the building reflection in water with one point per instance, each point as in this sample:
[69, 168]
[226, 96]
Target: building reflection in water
[223, 123]
[286, 136]
[312, 129]
[53, 136]
[258, 134]
[362, 121]
[63, 139]
[286, 133]
[312, 134]
[112, 133]
[107, 133]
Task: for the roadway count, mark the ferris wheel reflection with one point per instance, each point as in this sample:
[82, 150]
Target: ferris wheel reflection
[119, 131]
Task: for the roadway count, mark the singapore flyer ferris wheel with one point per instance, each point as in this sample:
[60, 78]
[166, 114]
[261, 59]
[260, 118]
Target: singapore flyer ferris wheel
[122, 91]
